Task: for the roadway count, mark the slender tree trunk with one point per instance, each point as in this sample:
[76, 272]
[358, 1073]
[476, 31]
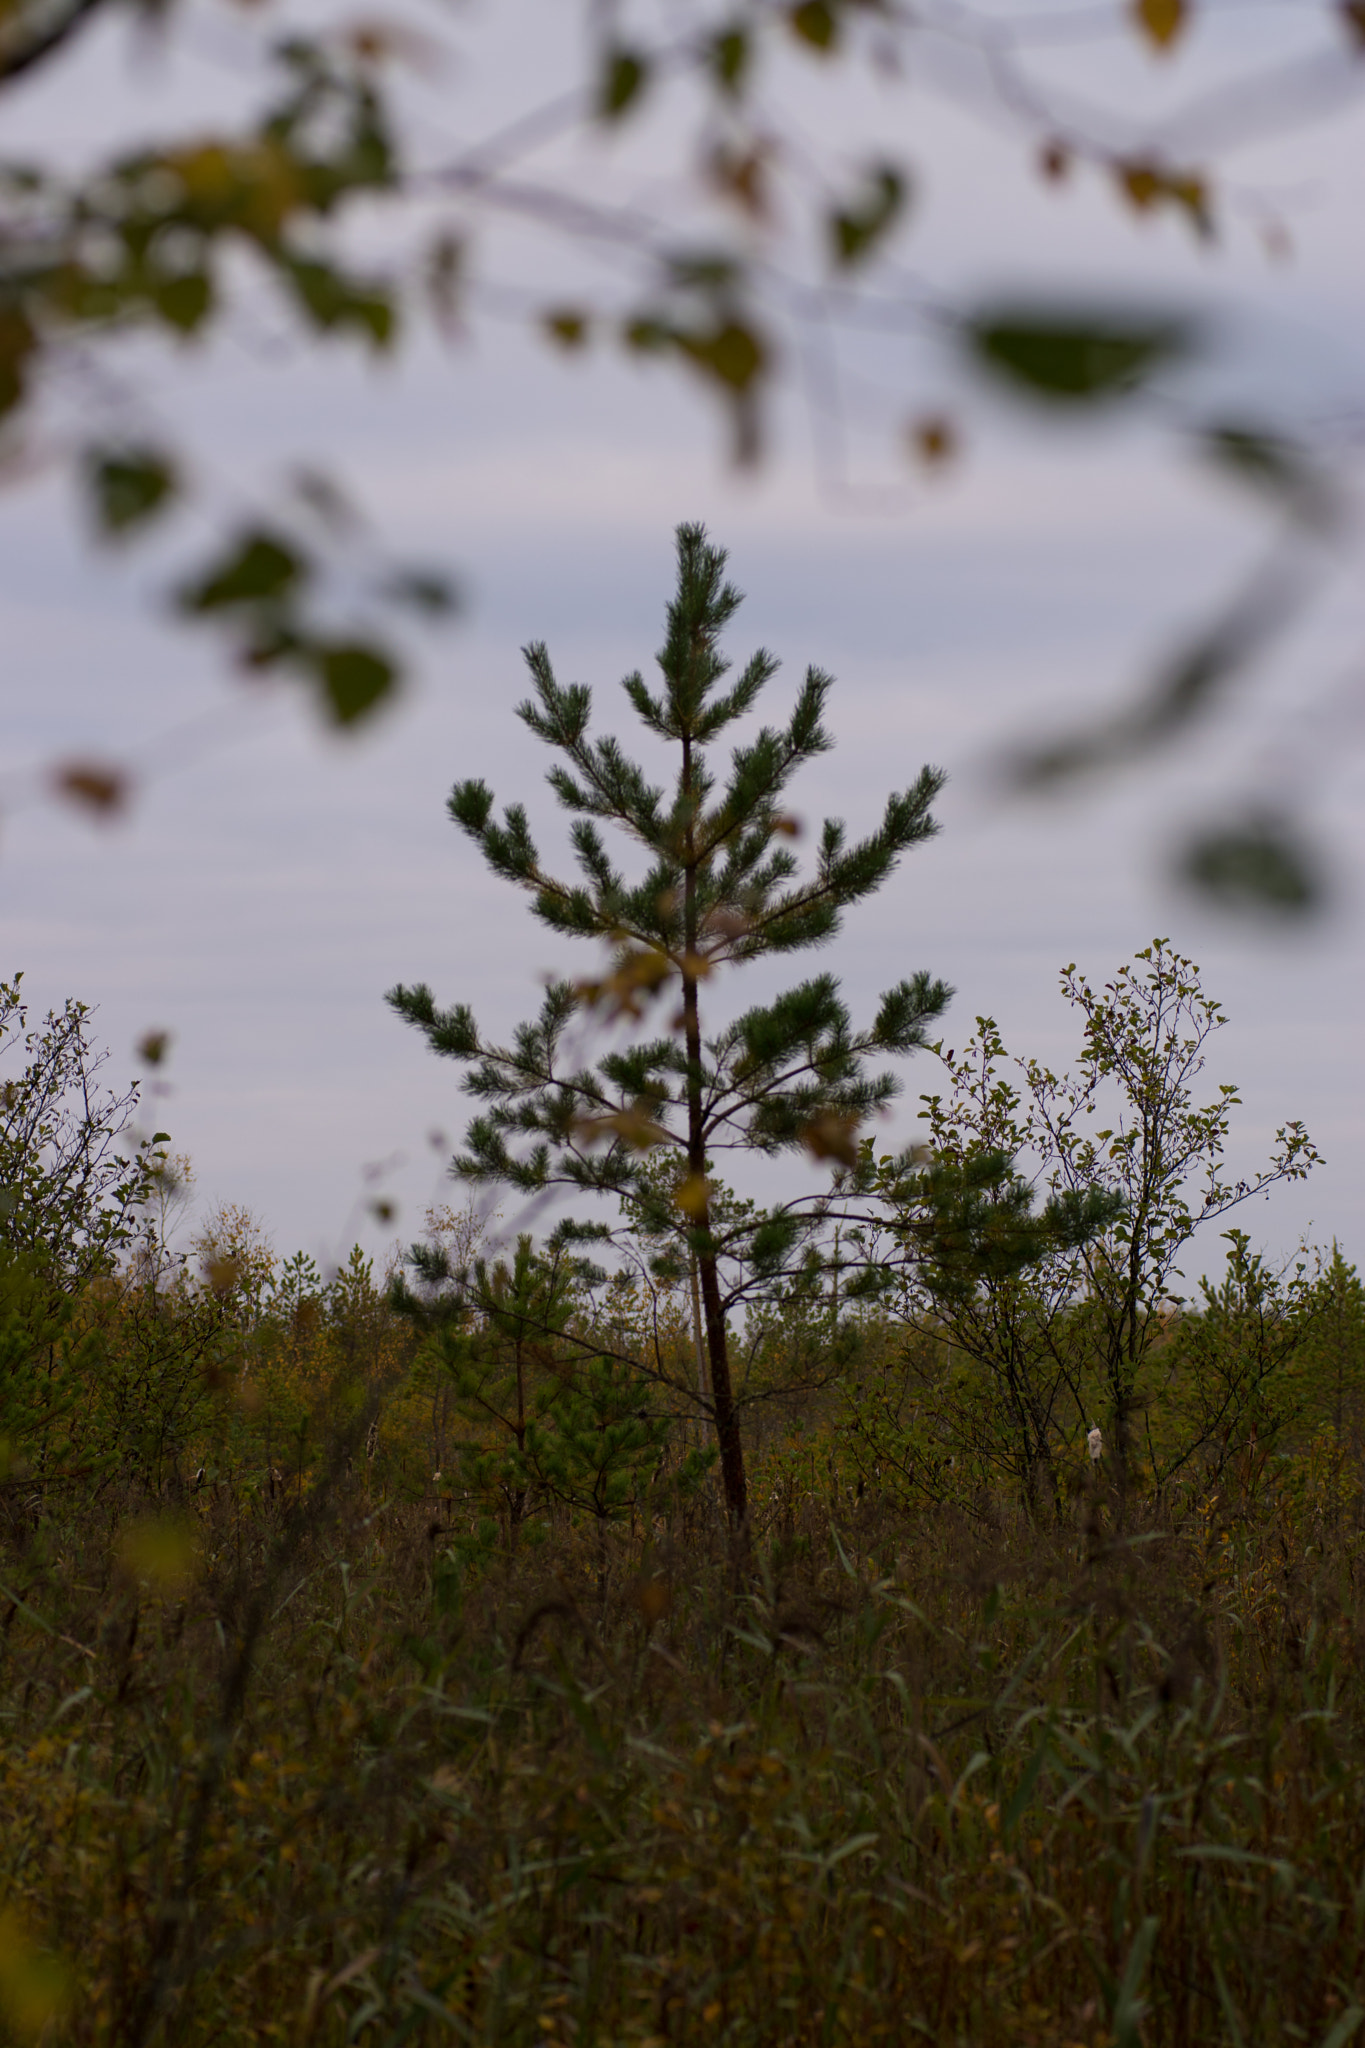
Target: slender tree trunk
[702, 1388]
[722, 1392]
[723, 1399]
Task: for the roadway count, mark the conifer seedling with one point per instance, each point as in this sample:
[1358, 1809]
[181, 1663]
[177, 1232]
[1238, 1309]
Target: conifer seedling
[717, 885]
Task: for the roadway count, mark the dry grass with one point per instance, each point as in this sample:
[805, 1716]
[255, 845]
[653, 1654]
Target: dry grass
[329, 1776]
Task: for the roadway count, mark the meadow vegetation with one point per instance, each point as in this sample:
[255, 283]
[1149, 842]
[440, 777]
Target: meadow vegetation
[380, 1662]
[912, 1608]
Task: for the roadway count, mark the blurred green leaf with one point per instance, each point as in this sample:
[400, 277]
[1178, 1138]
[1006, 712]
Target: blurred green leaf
[854, 231]
[730, 54]
[445, 272]
[815, 22]
[625, 74]
[567, 325]
[128, 486]
[1258, 864]
[184, 302]
[423, 590]
[258, 568]
[1068, 360]
[333, 300]
[1268, 462]
[325, 498]
[1184, 687]
[355, 679]
[705, 270]
[731, 353]
[17, 343]
[647, 336]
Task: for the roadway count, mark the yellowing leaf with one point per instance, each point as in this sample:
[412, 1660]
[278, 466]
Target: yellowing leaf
[1146, 185]
[692, 1196]
[35, 1984]
[161, 1549]
[254, 187]
[223, 1274]
[1160, 21]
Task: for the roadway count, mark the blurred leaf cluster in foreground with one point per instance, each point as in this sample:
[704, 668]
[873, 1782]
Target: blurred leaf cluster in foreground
[722, 193]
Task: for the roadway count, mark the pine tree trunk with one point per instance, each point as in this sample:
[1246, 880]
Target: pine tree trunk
[722, 1393]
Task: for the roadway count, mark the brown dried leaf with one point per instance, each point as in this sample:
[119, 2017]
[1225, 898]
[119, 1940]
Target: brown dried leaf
[653, 1597]
[934, 439]
[742, 175]
[641, 973]
[1146, 185]
[634, 1127]
[36, 1985]
[222, 1274]
[726, 923]
[830, 1136]
[101, 789]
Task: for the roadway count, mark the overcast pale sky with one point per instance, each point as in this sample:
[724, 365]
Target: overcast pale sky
[271, 884]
